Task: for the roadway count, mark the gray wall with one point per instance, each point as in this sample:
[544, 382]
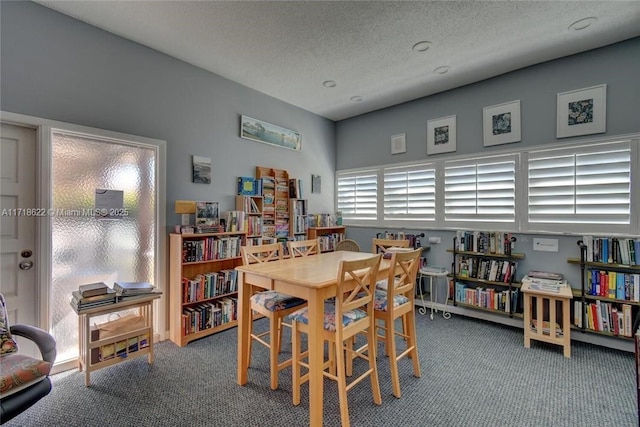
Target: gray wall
[365, 140]
[56, 67]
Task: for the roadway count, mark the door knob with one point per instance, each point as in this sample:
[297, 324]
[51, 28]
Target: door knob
[25, 265]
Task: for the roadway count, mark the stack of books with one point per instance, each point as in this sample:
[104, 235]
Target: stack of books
[126, 290]
[545, 281]
[92, 295]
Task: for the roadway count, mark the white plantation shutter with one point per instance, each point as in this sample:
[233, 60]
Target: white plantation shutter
[480, 190]
[410, 193]
[589, 184]
[358, 194]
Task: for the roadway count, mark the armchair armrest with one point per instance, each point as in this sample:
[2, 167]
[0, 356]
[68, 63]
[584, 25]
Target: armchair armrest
[45, 342]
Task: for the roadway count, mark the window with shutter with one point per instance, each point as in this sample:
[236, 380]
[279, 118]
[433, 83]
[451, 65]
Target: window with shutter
[410, 193]
[358, 195]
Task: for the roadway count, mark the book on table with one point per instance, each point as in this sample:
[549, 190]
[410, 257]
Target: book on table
[78, 302]
[133, 288]
[92, 289]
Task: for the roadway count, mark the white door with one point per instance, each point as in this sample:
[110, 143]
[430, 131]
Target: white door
[18, 224]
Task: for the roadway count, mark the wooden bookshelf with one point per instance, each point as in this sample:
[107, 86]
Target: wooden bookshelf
[328, 236]
[298, 225]
[202, 309]
[275, 208]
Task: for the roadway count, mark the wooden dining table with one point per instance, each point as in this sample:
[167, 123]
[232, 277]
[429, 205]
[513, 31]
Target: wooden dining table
[312, 278]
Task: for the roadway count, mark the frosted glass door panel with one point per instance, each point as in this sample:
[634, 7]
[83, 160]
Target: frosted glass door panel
[86, 248]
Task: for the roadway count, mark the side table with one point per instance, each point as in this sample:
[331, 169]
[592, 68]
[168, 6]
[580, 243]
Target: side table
[545, 328]
[144, 304]
[431, 273]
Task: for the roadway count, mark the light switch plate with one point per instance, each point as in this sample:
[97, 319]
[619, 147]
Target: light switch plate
[545, 245]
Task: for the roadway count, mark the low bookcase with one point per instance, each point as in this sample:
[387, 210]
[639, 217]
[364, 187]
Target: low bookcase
[203, 284]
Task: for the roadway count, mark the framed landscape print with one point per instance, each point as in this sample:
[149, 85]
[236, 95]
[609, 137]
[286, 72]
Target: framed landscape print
[441, 135]
[257, 130]
[501, 123]
[582, 112]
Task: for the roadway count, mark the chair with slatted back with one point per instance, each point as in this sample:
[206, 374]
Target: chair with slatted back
[348, 245]
[349, 313]
[394, 299]
[271, 304]
[301, 248]
[381, 245]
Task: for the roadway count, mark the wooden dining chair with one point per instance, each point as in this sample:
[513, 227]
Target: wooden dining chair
[381, 245]
[302, 248]
[349, 313]
[271, 304]
[348, 245]
[393, 299]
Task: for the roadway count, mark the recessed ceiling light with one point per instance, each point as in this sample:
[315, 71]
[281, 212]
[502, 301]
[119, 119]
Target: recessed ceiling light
[442, 70]
[329, 83]
[422, 46]
[583, 23]
[356, 98]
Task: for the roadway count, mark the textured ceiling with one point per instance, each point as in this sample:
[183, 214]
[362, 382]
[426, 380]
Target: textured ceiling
[288, 49]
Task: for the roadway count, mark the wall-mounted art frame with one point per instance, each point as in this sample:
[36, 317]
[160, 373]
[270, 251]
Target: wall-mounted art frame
[582, 112]
[258, 130]
[399, 144]
[501, 123]
[441, 135]
[316, 184]
[201, 169]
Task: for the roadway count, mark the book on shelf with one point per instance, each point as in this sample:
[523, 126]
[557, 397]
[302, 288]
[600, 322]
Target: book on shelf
[133, 288]
[546, 328]
[207, 213]
[248, 186]
[92, 289]
[129, 297]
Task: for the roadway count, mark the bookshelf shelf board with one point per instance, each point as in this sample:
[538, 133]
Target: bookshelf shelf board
[488, 310]
[605, 265]
[206, 332]
[209, 261]
[578, 293]
[603, 333]
[489, 255]
[486, 282]
[186, 304]
[221, 234]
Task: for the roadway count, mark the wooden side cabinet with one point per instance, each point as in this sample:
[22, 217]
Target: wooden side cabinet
[135, 343]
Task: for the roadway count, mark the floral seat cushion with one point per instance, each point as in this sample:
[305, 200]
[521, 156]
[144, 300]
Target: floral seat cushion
[380, 302]
[275, 301]
[18, 371]
[329, 322]
[7, 343]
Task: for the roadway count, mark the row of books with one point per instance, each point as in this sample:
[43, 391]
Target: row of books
[489, 298]
[486, 269]
[604, 317]
[414, 239]
[233, 221]
[98, 294]
[486, 242]
[321, 220]
[328, 242]
[211, 248]
[612, 250]
[209, 285]
[208, 315]
[614, 284]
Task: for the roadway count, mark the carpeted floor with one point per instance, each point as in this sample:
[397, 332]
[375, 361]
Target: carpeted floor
[474, 373]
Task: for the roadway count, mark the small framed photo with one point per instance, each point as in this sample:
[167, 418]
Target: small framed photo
[582, 112]
[398, 144]
[501, 123]
[316, 183]
[441, 135]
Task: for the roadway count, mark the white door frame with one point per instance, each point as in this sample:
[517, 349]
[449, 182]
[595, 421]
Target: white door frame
[43, 200]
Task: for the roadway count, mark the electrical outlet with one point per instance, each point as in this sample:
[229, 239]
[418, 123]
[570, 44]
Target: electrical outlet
[434, 240]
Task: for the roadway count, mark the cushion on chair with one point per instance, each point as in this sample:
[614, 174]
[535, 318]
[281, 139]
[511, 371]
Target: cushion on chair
[382, 284]
[275, 301]
[380, 302]
[18, 371]
[348, 318]
[7, 343]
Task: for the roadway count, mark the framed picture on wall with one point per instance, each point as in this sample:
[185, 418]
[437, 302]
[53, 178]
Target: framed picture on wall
[441, 135]
[582, 112]
[261, 131]
[501, 123]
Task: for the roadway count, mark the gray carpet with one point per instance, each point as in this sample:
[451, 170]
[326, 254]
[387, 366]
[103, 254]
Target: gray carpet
[474, 373]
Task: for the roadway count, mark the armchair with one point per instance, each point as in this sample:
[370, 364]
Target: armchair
[23, 379]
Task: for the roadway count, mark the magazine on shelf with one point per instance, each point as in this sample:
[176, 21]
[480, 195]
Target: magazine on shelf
[131, 288]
